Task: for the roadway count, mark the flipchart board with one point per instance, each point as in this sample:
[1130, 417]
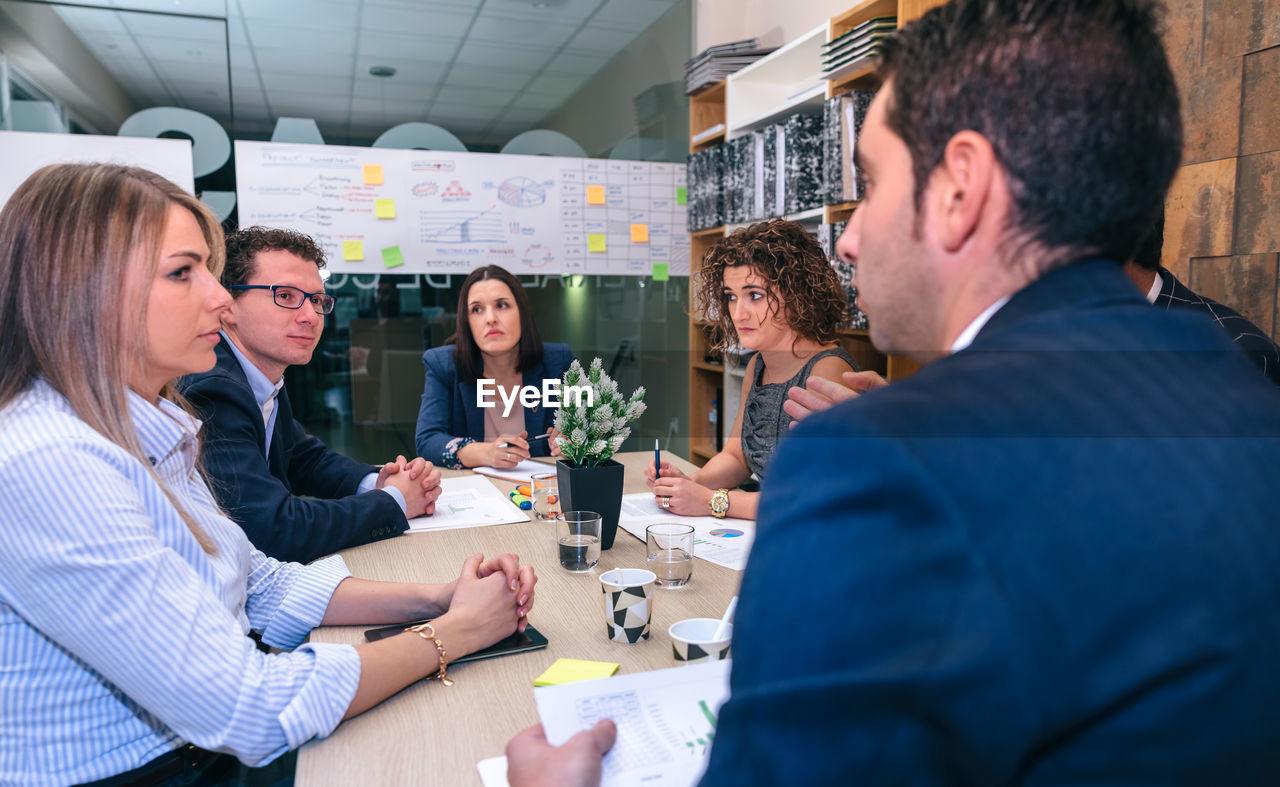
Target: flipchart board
[379, 210]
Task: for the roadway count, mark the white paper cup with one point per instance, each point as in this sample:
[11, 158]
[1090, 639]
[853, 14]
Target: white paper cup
[628, 603]
[694, 640]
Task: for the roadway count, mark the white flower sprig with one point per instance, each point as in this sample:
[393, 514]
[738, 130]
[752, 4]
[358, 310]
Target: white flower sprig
[592, 434]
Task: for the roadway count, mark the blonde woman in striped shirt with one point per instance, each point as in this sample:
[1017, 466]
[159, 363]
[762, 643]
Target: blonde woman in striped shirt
[126, 597]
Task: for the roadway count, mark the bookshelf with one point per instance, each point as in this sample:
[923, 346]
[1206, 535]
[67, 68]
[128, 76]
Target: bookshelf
[786, 82]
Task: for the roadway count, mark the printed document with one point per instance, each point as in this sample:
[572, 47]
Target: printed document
[725, 542]
[666, 720]
[468, 501]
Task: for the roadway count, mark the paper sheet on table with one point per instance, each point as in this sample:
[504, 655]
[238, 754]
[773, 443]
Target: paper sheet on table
[493, 772]
[522, 473]
[469, 501]
[725, 542]
[666, 720]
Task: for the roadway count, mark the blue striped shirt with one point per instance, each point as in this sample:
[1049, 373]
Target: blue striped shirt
[120, 638]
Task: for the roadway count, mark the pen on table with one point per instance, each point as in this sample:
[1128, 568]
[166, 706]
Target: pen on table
[530, 440]
[657, 460]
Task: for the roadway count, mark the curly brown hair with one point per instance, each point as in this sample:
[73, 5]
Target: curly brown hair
[799, 280]
[245, 244]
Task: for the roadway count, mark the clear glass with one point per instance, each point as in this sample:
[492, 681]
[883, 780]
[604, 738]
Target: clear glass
[546, 496]
[578, 537]
[670, 549]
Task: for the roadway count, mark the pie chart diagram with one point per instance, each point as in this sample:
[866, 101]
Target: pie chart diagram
[522, 192]
[726, 532]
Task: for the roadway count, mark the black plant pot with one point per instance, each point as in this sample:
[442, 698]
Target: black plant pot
[596, 489]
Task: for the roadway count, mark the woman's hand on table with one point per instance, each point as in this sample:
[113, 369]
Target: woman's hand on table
[681, 495]
[519, 578]
[532, 762]
[482, 610]
[508, 450]
[668, 471]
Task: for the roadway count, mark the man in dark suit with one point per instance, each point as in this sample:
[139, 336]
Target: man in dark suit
[1164, 290]
[1048, 557]
[258, 458]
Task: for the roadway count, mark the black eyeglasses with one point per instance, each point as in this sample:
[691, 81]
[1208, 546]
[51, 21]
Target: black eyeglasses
[288, 297]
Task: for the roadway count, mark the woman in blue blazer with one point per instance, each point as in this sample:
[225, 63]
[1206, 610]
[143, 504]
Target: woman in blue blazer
[496, 346]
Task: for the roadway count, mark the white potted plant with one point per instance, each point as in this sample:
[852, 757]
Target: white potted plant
[591, 433]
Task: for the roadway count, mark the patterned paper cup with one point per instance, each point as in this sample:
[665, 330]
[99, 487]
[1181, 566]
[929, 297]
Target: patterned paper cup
[628, 603]
[693, 640]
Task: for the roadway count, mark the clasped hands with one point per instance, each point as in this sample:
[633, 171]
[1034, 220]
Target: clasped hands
[676, 492]
[417, 480]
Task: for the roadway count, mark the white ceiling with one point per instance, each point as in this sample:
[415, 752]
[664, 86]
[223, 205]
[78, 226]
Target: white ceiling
[486, 70]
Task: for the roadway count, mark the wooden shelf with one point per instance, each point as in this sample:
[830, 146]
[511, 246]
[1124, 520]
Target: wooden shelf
[837, 213]
[709, 232]
[703, 366]
[782, 83]
[706, 111]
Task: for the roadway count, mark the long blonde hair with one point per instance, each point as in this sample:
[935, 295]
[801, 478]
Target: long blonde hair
[68, 237]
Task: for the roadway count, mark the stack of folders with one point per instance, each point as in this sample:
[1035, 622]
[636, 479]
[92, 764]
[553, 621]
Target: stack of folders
[705, 177]
[828, 234]
[760, 175]
[855, 49]
[842, 119]
[715, 63]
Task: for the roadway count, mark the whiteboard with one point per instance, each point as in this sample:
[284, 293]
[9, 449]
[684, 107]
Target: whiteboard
[24, 152]
[378, 210]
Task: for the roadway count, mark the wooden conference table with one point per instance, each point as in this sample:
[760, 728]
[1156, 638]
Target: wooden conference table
[434, 734]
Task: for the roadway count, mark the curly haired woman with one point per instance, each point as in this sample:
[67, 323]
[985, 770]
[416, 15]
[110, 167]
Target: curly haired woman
[771, 289]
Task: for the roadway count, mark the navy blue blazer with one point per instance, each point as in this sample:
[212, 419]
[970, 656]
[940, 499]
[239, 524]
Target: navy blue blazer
[449, 405]
[1247, 336]
[1050, 558]
[260, 493]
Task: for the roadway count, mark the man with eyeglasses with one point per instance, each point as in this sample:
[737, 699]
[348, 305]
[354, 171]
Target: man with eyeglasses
[258, 458]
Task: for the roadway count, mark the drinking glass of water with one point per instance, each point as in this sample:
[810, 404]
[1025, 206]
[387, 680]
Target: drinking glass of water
[670, 549]
[546, 496]
[578, 533]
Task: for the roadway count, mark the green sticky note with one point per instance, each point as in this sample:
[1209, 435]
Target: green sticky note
[570, 670]
[391, 257]
[352, 250]
[595, 242]
[661, 271]
[682, 195]
[384, 208]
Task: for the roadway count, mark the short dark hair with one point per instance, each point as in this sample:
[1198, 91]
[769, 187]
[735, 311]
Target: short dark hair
[466, 353]
[1148, 254]
[1075, 96]
[243, 245]
[798, 279]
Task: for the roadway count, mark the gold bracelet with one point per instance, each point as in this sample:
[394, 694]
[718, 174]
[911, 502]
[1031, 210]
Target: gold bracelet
[430, 635]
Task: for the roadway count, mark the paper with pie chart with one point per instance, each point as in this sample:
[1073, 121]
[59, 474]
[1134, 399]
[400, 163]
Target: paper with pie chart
[725, 542]
[416, 211]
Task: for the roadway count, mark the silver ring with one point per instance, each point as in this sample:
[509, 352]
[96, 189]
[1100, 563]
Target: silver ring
[666, 502]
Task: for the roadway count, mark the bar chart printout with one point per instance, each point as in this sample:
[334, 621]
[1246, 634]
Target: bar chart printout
[666, 720]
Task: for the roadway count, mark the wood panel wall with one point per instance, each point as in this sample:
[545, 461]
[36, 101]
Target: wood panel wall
[1222, 224]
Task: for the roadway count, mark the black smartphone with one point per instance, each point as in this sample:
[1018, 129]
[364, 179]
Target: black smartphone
[519, 642]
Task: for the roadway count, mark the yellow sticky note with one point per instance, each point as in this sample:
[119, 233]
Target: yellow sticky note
[352, 250]
[595, 195]
[595, 242]
[391, 257]
[373, 174]
[570, 670]
[639, 233]
[384, 208]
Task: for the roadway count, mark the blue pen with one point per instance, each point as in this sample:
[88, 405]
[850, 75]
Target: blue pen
[657, 460]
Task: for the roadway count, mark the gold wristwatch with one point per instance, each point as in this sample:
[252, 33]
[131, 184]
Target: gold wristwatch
[719, 503]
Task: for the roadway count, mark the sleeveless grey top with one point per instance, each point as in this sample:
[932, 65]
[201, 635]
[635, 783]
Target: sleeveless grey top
[764, 422]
